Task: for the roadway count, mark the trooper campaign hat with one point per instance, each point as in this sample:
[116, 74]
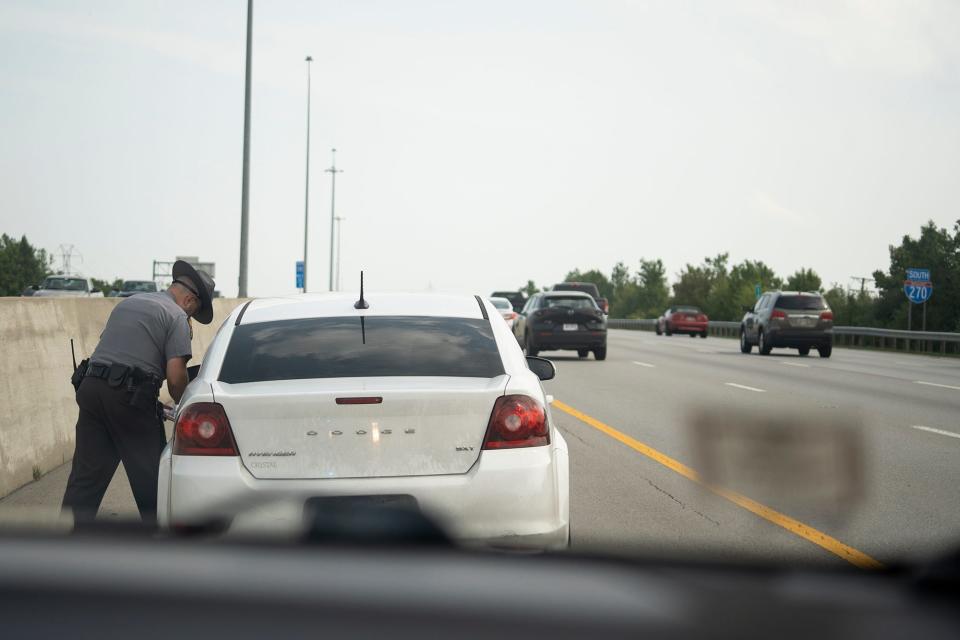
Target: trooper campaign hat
[200, 284]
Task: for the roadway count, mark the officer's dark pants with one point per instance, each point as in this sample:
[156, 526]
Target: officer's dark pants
[110, 431]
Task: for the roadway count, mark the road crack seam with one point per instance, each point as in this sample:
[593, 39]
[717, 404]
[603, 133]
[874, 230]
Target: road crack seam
[682, 505]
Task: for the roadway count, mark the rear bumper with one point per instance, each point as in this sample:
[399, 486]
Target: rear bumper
[517, 498]
[549, 340]
[800, 338]
[688, 327]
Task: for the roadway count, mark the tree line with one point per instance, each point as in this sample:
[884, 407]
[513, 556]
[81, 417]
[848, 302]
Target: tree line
[723, 290]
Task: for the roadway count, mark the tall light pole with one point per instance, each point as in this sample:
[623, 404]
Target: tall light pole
[245, 189]
[339, 220]
[306, 196]
[333, 171]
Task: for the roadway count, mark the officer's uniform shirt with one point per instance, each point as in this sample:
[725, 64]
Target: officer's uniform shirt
[145, 330]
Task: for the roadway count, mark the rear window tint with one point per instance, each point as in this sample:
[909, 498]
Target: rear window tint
[501, 304]
[686, 310]
[342, 348]
[801, 303]
[574, 302]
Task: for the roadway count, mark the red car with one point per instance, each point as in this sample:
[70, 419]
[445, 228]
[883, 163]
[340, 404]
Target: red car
[683, 319]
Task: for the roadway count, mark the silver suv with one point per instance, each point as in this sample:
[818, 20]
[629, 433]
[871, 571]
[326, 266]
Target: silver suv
[790, 319]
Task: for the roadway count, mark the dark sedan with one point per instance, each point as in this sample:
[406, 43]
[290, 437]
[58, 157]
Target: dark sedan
[562, 320]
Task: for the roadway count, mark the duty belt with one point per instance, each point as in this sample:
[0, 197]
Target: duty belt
[117, 374]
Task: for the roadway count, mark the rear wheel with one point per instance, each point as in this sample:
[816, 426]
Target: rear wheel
[745, 346]
[583, 353]
[666, 329]
[659, 332]
[531, 349]
[825, 350]
[804, 351]
[703, 335]
[600, 353]
[763, 346]
[693, 335]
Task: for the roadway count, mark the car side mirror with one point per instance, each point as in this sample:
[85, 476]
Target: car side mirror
[544, 369]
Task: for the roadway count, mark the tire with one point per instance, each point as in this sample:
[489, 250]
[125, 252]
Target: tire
[745, 346]
[825, 350]
[600, 353]
[531, 350]
[703, 335]
[666, 329]
[659, 332]
[693, 335]
[804, 351]
[762, 346]
[583, 353]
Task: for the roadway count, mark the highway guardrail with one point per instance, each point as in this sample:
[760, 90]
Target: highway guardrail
[933, 342]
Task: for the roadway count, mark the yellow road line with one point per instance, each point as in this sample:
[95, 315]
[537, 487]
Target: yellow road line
[795, 527]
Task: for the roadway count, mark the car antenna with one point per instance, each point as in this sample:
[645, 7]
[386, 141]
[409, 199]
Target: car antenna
[361, 303]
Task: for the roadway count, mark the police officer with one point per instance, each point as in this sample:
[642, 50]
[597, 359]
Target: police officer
[146, 340]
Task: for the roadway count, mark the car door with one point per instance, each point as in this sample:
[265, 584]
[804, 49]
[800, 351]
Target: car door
[520, 324]
[751, 321]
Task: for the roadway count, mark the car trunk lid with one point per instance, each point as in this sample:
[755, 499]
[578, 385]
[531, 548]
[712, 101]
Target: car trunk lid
[386, 426]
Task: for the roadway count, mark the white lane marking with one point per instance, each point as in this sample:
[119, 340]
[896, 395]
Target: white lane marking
[794, 364]
[644, 364]
[939, 431]
[934, 384]
[743, 386]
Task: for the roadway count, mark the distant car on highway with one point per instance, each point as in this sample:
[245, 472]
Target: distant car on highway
[67, 287]
[506, 310]
[422, 397]
[586, 287]
[788, 319]
[133, 287]
[683, 319]
[516, 298]
[569, 320]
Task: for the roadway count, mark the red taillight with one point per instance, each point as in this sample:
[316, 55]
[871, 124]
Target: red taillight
[511, 315]
[826, 315]
[517, 421]
[778, 314]
[203, 430]
[606, 307]
[701, 318]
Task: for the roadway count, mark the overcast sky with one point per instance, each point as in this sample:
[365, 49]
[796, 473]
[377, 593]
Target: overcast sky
[483, 143]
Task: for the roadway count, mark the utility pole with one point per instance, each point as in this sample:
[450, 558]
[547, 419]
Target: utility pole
[863, 282]
[339, 220]
[333, 171]
[245, 188]
[66, 254]
[306, 197]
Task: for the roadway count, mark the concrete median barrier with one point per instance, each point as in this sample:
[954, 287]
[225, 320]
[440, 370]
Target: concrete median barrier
[37, 407]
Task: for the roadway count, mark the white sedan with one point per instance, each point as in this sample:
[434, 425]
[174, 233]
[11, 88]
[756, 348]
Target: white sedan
[426, 396]
[505, 308]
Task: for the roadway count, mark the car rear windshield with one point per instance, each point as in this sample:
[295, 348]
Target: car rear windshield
[586, 288]
[574, 302]
[801, 303]
[346, 348]
[502, 304]
[686, 310]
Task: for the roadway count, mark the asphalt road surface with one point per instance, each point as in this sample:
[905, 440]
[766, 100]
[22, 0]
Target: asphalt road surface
[635, 485]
